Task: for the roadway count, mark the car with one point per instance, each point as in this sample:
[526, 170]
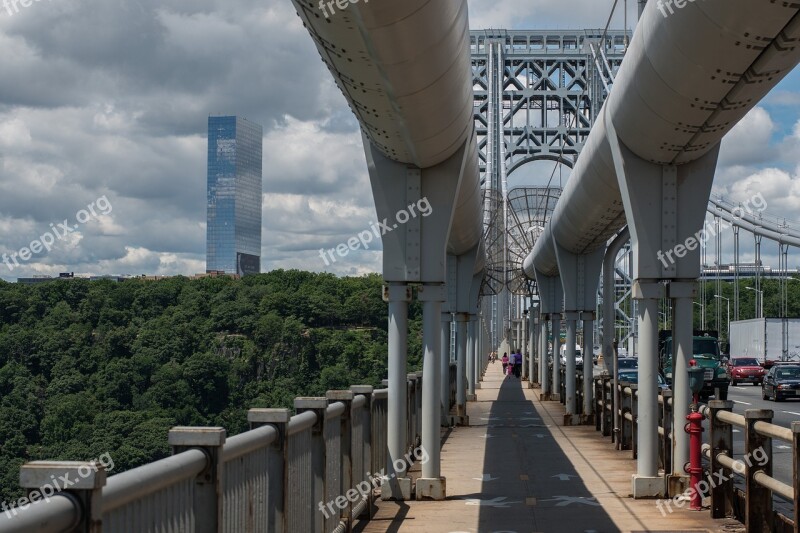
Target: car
[746, 370]
[578, 356]
[632, 376]
[627, 363]
[781, 382]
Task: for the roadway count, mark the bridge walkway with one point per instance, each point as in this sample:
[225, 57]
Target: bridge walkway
[516, 468]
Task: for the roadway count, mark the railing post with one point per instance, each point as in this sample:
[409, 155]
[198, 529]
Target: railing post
[37, 478]
[758, 507]
[318, 456]
[721, 440]
[208, 484]
[346, 446]
[626, 427]
[277, 464]
[635, 421]
[365, 473]
[598, 407]
[608, 407]
[796, 474]
[666, 441]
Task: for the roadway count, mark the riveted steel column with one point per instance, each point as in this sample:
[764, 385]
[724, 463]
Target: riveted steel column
[471, 349]
[461, 369]
[556, 325]
[571, 318]
[398, 486]
[431, 484]
[447, 321]
[646, 481]
[588, 367]
[682, 295]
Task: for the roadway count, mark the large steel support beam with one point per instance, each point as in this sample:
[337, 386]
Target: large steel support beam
[533, 346]
[580, 278]
[646, 481]
[588, 367]
[471, 351]
[444, 397]
[665, 207]
[682, 295]
[571, 319]
[431, 485]
[415, 252]
[544, 376]
[555, 320]
[523, 346]
[398, 485]
[551, 302]
[461, 369]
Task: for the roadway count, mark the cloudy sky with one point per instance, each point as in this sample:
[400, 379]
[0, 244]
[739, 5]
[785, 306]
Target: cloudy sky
[109, 100]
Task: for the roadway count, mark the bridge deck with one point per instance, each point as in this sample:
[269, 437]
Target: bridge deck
[517, 469]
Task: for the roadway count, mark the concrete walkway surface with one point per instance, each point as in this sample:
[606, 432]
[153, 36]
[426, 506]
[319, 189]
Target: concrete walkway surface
[517, 469]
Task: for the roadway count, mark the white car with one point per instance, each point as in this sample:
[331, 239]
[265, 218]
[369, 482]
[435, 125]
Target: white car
[578, 356]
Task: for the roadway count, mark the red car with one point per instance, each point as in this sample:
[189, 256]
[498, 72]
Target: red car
[746, 370]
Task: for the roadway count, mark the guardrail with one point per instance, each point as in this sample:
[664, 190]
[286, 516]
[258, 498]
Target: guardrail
[315, 471]
[754, 505]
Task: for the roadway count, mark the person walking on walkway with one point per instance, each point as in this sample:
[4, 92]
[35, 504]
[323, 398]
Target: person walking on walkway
[505, 361]
[518, 364]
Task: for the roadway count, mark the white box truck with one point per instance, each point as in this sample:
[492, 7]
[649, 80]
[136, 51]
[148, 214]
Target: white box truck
[763, 338]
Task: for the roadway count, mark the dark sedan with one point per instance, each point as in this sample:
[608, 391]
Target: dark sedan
[781, 382]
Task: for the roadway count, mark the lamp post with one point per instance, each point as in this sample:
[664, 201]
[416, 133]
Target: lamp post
[702, 314]
[728, 334]
[759, 301]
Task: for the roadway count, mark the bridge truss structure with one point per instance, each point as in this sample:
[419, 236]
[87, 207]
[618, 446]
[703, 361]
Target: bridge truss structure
[536, 97]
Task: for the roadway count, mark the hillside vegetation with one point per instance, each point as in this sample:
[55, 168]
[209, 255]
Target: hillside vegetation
[88, 368]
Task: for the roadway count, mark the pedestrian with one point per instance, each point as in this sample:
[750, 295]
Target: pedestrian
[509, 370]
[518, 364]
[505, 361]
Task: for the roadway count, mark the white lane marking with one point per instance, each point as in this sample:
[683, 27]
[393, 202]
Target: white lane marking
[791, 413]
[743, 403]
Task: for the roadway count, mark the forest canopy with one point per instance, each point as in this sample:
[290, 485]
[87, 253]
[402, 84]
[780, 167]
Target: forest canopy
[95, 367]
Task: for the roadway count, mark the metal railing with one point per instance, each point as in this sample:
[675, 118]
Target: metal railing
[754, 506]
[315, 471]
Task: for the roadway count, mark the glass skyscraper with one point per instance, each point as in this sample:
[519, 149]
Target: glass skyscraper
[233, 239]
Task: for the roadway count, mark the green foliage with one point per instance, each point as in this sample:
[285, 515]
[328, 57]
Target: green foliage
[88, 368]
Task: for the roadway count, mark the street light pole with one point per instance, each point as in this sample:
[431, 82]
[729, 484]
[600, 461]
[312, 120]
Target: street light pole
[728, 334]
[759, 301]
[702, 314]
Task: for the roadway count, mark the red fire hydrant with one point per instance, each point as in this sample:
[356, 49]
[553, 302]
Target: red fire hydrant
[695, 430]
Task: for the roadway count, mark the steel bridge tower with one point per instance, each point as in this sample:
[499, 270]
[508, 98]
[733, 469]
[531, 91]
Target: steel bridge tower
[537, 94]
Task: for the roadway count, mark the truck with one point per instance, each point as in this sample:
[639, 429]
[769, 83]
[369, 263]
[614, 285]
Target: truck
[706, 352]
[763, 339]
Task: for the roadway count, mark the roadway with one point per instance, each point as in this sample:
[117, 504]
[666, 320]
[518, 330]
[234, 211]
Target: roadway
[749, 397]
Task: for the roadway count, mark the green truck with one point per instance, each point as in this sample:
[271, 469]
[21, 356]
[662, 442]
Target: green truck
[705, 350]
